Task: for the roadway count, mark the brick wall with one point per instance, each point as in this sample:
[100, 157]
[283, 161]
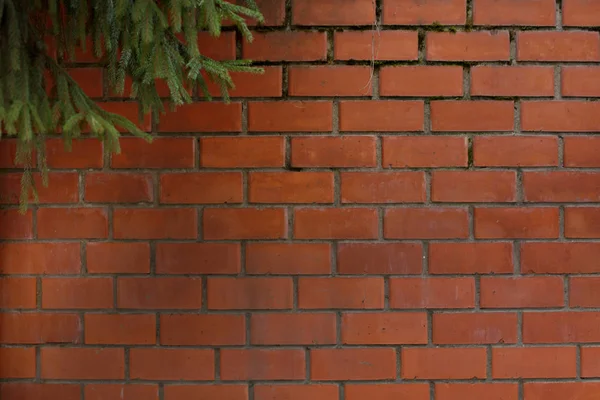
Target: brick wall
[408, 214]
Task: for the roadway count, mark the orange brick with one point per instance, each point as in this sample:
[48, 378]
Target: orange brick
[467, 46]
[335, 223]
[198, 258]
[290, 116]
[581, 13]
[217, 391]
[384, 328]
[288, 258]
[157, 293]
[296, 392]
[124, 392]
[432, 293]
[516, 223]
[514, 12]
[522, 292]
[290, 187]
[120, 329]
[590, 366]
[154, 223]
[470, 258]
[352, 364]
[489, 391]
[382, 187]
[560, 390]
[115, 257]
[84, 153]
[479, 328]
[276, 364]
[581, 222]
[62, 188]
[421, 80]
[561, 186]
[342, 293]
[267, 84]
[442, 363]
[583, 291]
[72, 223]
[515, 151]
[381, 116]
[424, 151]
[15, 225]
[118, 188]
[512, 81]
[246, 223]
[412, 391]
[202, 330]
[201, 188]
[333, 12]
[557, 258]
[82, 363]
[17, 362]
[472, 116]
[473, 186]
[561, 327]
[560, 116]
[534, 362]
[17, 292]
[163, 152]
[558, 46]
[580, 81]
[293, 329]
[425, 223]
[40, 258]
[381, 46]
[286, 46]
[172, 364]
[330, 80]
[240, 152]
[40, 391]
[379, 258]
[249, 293]
[65, 293]
[343, 151]
[416, 12]
[39, 328]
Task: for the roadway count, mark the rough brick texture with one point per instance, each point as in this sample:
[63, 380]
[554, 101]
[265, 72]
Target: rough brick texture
[406, 205]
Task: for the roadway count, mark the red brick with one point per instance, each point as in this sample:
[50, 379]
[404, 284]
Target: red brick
[488, 391]
[78, 292]
[583, 291]
[288, 258]
[82, 363]
[223, 392]
[352, 364]
[333, 12]
[473, 186]
[330, 80]
[425, 223]
[124, 392]
[561, 327]
[61, 188]
[560, 116]
[560, 390]
[514, 12]
[240, 152]
[340, 152]
[381, 116]
[17, 292]
[89, 79]
[84, 153]
[534, 362]
[246, 223]
[387, 391]
[203, 117]
[335, 223]
[8, 152]
[416, 12]
[17, 362]
[161, 153]
[384, 328]
[432, 293]
[342, 293]
[296, 392]
[218, 48]
[40, 258]
[559, 258]
[152, 223]
[581, 151]
[129, 110]
[522, 292]
[198, 258]
[581, 13]
[172, 364]
[380, 46]
[249, 293]
[39, 391]
[262, 364]
[293, 329]
[286, 46]
[469, 328]
[159, 293]
[515, 151]
[421, 80]
[267, 84]
[470, 258]
[103, 187]
[113, 257]
[120, 329]
[561, 186]
[15, 225]
[443, 363]
[590, 366]
[201, 188]
[382, 187]
[467, 46]
[581, 222]
[290, 116]
[290, 187]
[80, 55]
[72, 223]
[580, 81]
[516, 223]
[202, 330]
[379, 258]
[39, 328]
[558, 46]
[424, 151]
[512, 81]
[472, 116]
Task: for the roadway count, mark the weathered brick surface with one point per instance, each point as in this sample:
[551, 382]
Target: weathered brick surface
[394, 210]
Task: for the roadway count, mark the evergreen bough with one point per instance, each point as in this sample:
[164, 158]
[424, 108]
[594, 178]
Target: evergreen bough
[145, 40]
